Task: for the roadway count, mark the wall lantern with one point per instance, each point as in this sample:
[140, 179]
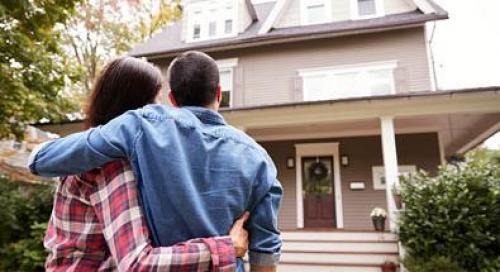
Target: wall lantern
[290, 162]
[344, 160]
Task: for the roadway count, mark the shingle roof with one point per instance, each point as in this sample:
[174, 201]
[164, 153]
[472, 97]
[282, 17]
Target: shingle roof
[169, 41]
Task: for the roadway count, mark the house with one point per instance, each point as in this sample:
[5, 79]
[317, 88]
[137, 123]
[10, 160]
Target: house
[342, 95]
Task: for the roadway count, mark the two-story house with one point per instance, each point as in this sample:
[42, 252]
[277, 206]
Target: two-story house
[341, 93]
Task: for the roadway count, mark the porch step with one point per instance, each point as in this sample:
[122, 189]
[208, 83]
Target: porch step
[337, 258]
[335, 236]
[326, 268]
[337, 251]
[340, 246]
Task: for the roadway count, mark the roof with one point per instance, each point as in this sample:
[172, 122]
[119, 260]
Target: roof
[169, 41]
[410, 95]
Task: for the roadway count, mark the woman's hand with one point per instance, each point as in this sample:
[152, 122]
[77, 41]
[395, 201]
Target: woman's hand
[239, 235]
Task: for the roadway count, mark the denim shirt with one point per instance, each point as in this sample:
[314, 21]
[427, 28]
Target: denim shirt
[196, 174]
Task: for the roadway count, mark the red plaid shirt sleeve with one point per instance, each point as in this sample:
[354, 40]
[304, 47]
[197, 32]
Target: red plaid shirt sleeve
[116, 205]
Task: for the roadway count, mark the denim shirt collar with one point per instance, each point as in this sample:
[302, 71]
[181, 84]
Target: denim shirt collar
[206, 116]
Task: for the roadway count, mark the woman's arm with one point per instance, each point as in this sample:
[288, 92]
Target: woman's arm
[116, 205]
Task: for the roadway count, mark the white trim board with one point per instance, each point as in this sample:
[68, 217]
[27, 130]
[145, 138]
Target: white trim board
[319, 149]
[337, 134]
[275, 14]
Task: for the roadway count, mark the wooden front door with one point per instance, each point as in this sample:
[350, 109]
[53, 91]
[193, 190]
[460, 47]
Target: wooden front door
[318, 192]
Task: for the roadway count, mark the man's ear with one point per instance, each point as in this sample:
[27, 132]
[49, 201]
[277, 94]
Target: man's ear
[219, 94]
[172, 99]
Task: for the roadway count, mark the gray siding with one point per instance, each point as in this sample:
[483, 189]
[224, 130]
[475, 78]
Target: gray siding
[421, 150]
[268, 74]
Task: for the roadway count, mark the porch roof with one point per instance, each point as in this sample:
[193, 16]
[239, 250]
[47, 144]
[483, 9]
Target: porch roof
[474, 100]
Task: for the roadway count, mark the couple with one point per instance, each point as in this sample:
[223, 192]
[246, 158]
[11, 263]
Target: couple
[157, 188]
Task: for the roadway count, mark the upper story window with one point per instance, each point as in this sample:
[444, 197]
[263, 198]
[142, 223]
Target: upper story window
[211, 20]
[348, 81]
[316, 12]
[226, 79]
[364, 9]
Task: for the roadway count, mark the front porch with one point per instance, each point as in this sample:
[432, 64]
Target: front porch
[363, 145]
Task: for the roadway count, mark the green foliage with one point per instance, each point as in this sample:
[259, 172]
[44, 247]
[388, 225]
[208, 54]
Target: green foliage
[453, 218]
[33, 72]
[25, 210]
[104, 29]
[434, 264]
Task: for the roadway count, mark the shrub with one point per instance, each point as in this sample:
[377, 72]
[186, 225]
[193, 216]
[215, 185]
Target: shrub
[434, 264]
[454, 217]
[24, 214]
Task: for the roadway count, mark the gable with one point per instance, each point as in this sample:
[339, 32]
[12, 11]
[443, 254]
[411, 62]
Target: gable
[338, 10]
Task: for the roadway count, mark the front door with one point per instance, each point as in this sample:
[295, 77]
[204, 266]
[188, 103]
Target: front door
[318, 193]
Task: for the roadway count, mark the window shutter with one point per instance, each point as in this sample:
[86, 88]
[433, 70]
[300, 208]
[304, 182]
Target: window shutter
[238, 90]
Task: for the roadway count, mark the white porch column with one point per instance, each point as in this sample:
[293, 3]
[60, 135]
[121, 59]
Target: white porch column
[391, 166]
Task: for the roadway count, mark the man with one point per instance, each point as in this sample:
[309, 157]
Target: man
[196, 174]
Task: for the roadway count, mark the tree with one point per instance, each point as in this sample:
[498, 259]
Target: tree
[33, 70]
[107, 28]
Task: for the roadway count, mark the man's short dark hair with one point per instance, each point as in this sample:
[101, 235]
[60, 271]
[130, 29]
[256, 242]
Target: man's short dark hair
[193, 77]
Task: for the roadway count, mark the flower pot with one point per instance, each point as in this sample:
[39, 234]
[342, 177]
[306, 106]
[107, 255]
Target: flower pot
[378, 223]
[388, 267]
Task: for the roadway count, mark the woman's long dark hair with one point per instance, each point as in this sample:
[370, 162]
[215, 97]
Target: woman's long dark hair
[124, 84]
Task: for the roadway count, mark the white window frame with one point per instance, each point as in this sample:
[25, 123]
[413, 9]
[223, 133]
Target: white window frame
[228, 65]
[362, 67]
[378, 172]
[379, 6]
[319, 149]
[206, 7]
[303, 11]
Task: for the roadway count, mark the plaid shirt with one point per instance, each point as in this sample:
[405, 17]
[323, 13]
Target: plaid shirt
[98, 225]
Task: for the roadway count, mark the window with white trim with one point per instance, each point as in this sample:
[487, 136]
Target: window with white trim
[364, 9]
[348, 81]
[316, 12]
[211, 20]
[226, 84]
[378, 175]
[226, 81]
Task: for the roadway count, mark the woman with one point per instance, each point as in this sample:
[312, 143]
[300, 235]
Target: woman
[97, 223]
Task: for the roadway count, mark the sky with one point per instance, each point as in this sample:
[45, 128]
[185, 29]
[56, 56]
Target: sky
[466, 47]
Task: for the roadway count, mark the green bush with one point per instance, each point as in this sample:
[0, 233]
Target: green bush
[24, 214]
[453, 218]
[434, 264]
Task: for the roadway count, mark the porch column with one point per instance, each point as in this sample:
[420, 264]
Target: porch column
[391, 166]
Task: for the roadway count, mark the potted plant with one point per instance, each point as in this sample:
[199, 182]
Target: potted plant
[388, 267]
[378, 216]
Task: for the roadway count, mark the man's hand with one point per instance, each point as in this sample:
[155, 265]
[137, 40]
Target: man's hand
[239, 235]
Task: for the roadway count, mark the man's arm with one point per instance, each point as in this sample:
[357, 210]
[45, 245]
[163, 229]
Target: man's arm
[265, 242]
[116, 205]
[87, 150]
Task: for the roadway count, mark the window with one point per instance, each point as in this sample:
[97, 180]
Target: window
[226, 84]
[378, 175]
[364, 9]
[210, 20]
[228, 27]
[226, 75]
[349, 81]
[316, 12]
[212, 29]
